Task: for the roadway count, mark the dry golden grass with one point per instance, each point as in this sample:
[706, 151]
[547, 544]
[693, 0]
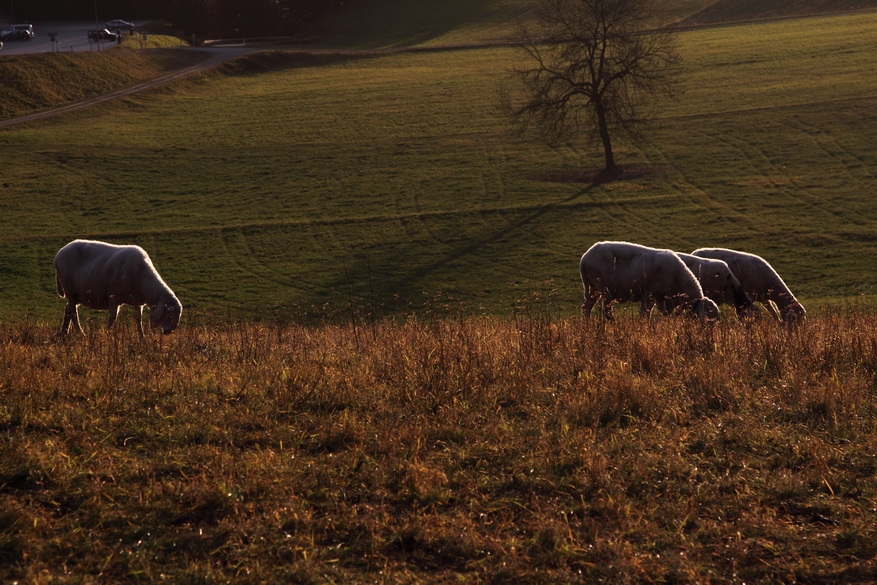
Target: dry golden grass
[475, 450]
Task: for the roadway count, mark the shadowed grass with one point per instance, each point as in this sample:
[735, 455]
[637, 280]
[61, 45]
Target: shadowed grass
[529, 450]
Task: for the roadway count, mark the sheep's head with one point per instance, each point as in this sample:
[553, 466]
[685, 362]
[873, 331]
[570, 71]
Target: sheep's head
[743, 304]
[749, 312]
[706, 310]
[794, 313]
[166, 315]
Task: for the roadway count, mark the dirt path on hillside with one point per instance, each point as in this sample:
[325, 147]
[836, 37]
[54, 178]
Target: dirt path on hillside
[215, 57]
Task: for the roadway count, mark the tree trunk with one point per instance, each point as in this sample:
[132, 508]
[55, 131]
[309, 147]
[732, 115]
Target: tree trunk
[611, 167]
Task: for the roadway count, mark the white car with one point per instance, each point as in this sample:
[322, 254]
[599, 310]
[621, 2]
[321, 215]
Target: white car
[17, 31]
[119, 23]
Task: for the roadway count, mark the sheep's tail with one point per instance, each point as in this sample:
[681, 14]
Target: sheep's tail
[61, 292]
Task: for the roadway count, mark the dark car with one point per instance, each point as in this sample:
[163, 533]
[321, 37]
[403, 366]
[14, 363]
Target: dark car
[20, 32]
[120, 24]
[102, 35]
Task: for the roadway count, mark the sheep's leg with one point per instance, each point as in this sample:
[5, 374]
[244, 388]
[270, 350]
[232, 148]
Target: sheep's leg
[665, 307]
[590, 297]
[750, 312]
[71, 316]
[114, 312]
[590, 301]
[76, 319]
[772, 309]
[138, 315]
[65, 324]
[645, 305]
[607, 307]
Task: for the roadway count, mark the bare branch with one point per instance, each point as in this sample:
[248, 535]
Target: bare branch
[594, 65]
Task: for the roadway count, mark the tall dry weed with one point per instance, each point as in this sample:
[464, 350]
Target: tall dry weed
[534, 449]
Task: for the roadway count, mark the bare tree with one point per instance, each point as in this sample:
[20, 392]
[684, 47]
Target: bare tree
[596, 64]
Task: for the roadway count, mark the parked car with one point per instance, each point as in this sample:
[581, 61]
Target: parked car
[119, 23]
[21, 32]
[102, 35]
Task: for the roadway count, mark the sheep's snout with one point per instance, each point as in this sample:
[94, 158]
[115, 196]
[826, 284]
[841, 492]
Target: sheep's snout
[749, 312]
[707, 310]
[166, 328]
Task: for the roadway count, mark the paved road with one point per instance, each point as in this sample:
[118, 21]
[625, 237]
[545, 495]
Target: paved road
[71, 36]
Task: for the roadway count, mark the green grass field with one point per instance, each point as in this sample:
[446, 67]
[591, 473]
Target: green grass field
[298, 183]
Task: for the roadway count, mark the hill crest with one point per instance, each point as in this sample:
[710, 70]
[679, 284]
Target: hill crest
[730, 11]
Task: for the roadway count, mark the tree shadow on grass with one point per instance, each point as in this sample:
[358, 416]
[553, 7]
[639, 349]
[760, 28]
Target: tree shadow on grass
[386, 284]
[596, 177]
[273, 61]
[590, 177]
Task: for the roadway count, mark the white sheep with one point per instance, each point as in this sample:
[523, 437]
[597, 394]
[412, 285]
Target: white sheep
[718, 283]
[761, 282]
[625, 272]
[105, 276]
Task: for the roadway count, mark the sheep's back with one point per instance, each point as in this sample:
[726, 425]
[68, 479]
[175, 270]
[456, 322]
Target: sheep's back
[92, 271]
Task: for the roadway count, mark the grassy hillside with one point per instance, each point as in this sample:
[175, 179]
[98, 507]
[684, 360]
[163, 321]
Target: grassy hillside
[293, 183]
[722, 11]
[395, 23]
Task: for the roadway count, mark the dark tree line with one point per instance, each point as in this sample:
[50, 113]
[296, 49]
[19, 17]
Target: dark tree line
[205, 18]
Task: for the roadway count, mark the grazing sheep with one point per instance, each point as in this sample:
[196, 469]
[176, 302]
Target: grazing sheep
[761, 282]
[105, 276]
[719, 284]
[620, 271]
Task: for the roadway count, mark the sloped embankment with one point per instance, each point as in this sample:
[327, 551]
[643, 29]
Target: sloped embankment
[728, 11]
[42, 81]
